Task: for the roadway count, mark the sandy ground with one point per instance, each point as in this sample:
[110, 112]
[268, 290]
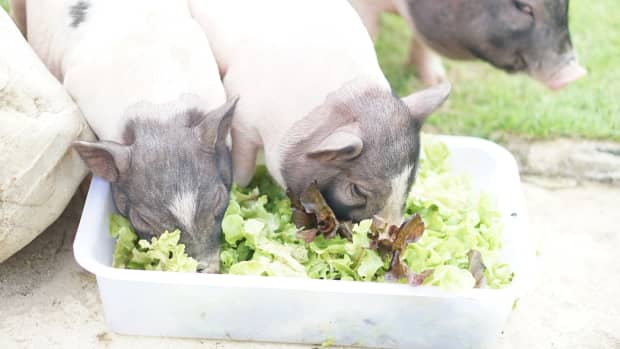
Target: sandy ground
[48, 301]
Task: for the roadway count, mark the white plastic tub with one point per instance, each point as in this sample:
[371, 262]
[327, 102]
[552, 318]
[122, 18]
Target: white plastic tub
[314, 311]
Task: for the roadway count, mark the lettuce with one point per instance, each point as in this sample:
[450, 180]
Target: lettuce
[259, 241]
[450, 278]
[458, 220]
[126, 239]
[259, 238]
[163, 253]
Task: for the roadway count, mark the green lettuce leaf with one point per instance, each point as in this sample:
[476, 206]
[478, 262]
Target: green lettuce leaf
[450, 278]
[163, 253]
[458, 219]
[369, 265]
[126, 239]
[258, 237]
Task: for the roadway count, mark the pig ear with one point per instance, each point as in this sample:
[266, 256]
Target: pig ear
[423, 103]
[339, 146]
[106, 159]
[215, 126]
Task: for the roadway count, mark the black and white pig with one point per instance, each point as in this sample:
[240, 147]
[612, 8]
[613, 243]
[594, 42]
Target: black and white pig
[315, 99]
[144, 77]
[529, 36]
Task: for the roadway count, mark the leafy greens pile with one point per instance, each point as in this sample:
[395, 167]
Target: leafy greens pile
[459, 247]
[163, 253]
[458, 250]
[458, 220]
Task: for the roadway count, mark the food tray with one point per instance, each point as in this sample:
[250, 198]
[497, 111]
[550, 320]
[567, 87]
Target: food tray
[273, 309]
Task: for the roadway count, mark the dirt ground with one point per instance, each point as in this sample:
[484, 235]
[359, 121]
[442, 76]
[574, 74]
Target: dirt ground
[48, 301]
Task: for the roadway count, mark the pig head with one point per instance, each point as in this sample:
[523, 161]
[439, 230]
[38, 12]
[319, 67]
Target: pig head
[170, 172]
[530, 36]
[362, 147]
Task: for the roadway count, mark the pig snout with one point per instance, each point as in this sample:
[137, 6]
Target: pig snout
[569, 73]
[392, 215]
[208, 258]
[209, 266]
[203, 245]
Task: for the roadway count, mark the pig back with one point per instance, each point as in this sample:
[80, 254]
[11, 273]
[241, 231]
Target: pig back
[125, 53]
[284, 57]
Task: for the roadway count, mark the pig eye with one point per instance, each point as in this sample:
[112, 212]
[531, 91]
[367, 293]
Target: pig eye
[357, 191]
[120, 200]
[219, 197]
[525, 8]
[139, 222]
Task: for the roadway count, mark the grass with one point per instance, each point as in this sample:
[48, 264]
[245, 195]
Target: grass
[489, 103]
[5, 4]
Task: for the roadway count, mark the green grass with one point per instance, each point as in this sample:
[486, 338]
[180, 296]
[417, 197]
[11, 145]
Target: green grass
[489, 103]
[5, 4]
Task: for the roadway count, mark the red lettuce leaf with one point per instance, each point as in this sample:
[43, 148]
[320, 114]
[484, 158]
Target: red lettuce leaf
[477, 268]
[312, 213]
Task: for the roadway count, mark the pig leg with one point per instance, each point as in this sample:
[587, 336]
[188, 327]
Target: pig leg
[427, 63]
[18, 12]
[244, 157]
[369, 16]
[370, 13]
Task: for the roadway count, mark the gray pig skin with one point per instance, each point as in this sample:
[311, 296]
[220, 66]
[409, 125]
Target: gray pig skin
[527, 36]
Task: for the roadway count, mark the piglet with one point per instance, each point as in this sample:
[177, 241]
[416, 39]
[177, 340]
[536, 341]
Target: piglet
[316, 100]
[145, 79]
[528, 36]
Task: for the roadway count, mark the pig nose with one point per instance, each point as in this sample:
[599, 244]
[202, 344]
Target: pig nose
[391, 216]
[209, 263]
[568, 74]
[208, 268]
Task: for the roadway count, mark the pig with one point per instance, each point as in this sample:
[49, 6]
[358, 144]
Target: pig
[143, 75]
[528, 36]
[316, 102]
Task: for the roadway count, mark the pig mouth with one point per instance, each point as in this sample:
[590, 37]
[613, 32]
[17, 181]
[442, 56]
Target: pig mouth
[205, 268]
[567, 74]
[519, 64]
[208, 267]
[209, 263]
